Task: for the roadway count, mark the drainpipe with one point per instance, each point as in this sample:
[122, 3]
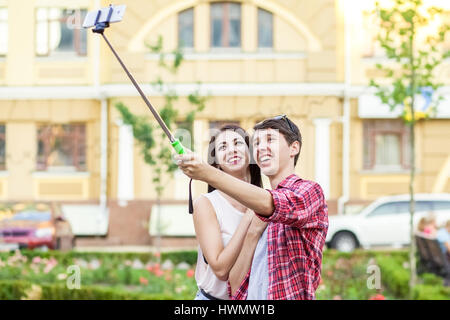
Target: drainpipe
[346, 112]
[103, 122]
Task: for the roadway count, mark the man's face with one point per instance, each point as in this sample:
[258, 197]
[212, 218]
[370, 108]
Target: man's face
[271, 151]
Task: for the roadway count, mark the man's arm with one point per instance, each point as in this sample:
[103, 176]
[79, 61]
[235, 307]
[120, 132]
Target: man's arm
[244, 261]
[304, 207]
[253, 197]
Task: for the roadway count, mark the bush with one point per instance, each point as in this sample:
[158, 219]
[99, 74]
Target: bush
[394, 275]
[396, 278]
[180, 256]
[431, 292]
[16, 289]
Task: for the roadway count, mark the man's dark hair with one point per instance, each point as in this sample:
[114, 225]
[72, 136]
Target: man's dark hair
[286, 127]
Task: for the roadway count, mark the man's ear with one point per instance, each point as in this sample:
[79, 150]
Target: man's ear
[294, 148]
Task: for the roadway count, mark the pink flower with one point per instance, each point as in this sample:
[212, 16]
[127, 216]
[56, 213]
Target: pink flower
[377, 297]
[159, 273]
[36, 260]
[190, 273]
[143, 280]
[48, 268]
[157, 254]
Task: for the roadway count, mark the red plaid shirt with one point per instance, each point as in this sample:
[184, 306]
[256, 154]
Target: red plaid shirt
[296, 236]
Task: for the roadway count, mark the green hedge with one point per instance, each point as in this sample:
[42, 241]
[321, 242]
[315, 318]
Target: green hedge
[16, 289]
[396, 277]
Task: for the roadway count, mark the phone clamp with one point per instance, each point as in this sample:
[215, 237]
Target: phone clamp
[101, 26]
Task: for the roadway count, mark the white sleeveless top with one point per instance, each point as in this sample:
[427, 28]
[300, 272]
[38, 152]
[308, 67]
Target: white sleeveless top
[229, 218]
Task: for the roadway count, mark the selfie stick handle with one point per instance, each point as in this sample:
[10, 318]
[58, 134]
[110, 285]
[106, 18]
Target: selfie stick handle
[99, 28]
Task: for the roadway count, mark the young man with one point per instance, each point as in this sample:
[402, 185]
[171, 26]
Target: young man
[295, 208]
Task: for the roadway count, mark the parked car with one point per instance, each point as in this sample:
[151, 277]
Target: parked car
[385, 222]
[34, 226]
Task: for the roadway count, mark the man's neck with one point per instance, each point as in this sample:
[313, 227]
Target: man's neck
[280, 176]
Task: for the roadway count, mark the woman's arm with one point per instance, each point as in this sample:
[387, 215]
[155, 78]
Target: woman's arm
[244, 261]
[209, 237]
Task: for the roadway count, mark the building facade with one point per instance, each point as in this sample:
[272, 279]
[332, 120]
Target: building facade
[61, 138]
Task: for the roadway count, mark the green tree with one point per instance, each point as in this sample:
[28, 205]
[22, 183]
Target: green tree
[155, 148]
[413, 53]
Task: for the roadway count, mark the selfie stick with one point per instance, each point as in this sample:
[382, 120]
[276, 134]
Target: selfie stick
[99, 28]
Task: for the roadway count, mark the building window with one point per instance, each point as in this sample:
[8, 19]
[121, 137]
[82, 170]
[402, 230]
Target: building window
[225, 25]
[62, 147]
[2, 147]
[265, 29]
[3, 31]
[59, 31]
[218, 124]
[386, 145]
[186, 28]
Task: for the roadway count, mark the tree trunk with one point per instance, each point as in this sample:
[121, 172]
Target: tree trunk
[412, 249]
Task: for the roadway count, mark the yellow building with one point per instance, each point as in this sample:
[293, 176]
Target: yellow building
[61, 138]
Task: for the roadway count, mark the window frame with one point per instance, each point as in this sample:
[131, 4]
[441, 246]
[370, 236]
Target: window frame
[6, 22]
[42, 164]
[193, 29]
[374, 127]
[77, 37]
[258, 28]
[3, 138]
[225, 21]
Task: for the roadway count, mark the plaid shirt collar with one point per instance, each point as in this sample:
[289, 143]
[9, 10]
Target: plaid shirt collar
[288, 182]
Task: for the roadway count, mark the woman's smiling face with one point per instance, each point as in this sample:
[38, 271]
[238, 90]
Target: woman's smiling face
[232, 152]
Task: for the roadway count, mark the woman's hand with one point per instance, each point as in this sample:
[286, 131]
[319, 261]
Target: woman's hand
[257, 226]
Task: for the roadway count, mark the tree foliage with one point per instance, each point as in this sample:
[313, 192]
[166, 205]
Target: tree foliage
[414, 51]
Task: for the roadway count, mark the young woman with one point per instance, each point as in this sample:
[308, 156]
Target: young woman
[221, 222]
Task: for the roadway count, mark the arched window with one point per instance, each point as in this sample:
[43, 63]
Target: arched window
[186, 28]
[225, 25]
[265, 29]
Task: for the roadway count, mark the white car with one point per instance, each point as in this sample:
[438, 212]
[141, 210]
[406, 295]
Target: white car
[385, 222]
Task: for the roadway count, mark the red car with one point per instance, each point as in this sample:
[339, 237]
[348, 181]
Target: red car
[34, 226]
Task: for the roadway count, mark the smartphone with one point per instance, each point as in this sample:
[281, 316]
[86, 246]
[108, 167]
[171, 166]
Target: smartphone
[117, 15]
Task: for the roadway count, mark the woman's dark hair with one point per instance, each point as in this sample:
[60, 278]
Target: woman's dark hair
[255, 171]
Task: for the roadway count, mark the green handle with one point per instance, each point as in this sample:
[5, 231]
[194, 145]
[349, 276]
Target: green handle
[178, 146]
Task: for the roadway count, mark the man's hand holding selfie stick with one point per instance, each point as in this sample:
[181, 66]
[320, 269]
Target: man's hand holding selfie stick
[255, 198]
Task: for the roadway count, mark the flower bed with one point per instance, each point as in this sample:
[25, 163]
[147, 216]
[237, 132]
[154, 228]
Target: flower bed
[45, 275]
[114, 275]
[351, 276]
